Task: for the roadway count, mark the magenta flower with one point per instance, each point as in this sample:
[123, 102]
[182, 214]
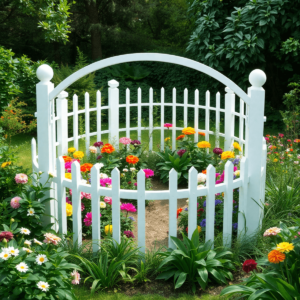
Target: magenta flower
[181, 152]
[129, 233]
[88, 219]
[128, 207]
[135, 143]
[108, 200]
[98, 144]
[82, 207]
[218, 151]
[148, 173]
[267, 139]
[14, 202]
[125, 140]
[81, 194]
[68, 200]
[21, 178]
[168, 125]
[281, 135]
[105, 181]
[135, 184]
[99, 157]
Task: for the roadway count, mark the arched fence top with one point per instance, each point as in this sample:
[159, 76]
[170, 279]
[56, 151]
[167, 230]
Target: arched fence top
[167, 58]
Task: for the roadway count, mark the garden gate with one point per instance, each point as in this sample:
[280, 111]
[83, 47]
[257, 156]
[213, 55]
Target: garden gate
[52, 129]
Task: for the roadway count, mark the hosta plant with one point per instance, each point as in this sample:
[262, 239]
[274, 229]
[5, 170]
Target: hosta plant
[195, 263]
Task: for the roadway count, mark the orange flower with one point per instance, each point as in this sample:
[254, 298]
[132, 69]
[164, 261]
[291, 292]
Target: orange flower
[267, 135]
[291, 150]
[86, 167]
[131, 159]
[204, 171]
[276, 257]
[297, 141]
[107, 148]
[180, 137]
[201, 133]
[179, 210]
[67, 158]
[188, 131]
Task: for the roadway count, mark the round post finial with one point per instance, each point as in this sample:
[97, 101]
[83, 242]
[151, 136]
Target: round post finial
[257, 78]
[113, 84]
[44, 73]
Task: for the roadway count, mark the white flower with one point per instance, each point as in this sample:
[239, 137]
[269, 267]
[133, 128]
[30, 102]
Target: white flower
[24, 231]
[200, 186]
[109, 186]
[93, 149]
[187, 201]
[5, 255]
[237, 173]
[296, 162]
[13, 251]
[102, 204]
[27, 250]
[44, 286]
[52, 175]
[22, 267]
[37, 242]
[125, 170]
[201, 177]
[287, 150]
[5, 250]
[30, 212]
[41, 258]
[28, 243]
[132, 169]
[101, 165]
[40, 172]
[103, 176]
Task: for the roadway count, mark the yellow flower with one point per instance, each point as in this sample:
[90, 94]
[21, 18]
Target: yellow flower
[203, 144]
[167, 139]
[71, 150]
[108, 228]
[5, 164]
[69, 209]
[78, 154]
[237, 146]
[227, 154]
[237, 173]
[285, 247]
[102, 204]
[275, 160]
[68, 175]
[199, 229]
[188, 131]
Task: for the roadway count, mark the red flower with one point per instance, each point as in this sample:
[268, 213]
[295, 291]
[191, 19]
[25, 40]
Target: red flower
[187, 229]
[249, 265]
[179, 210]
[6, 235]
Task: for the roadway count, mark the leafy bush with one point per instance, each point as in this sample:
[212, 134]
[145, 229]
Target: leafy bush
[195, 263]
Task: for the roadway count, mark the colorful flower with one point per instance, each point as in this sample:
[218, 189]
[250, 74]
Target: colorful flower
[272, 231]
[167, 139]
[249, 265]
[93, 149]
[218, 151]
[168, 125]
[275, 257]
[203, 145]
[30, 212]
[41, 259]
[181, 152]
[180, 137]
[21, 178]
[281, 135]
[37, 242]
[108, 228]
[188, 131]
[67, 158]
[128, 207]
[102, 204]
[88, 219]
[44, 286]
[203, 223]
[6, 235]
[285, 247]
[131, 159]
[125, 140]
[5, 164]
[86, 167]
[69, 209]
[78, 154]
[201, 133]
[108, 200]
[14, 202]
[105, 181]
[75, 277]
[68, 176]
[201, 177]
[5, 255]
[22, 267]
[129, 233]
[98, 144]
[27, 250]
[51, 239]
[148, 173]
[227, 154]
[107, 148]
[71, 150]
[237, 146]
[135, 143]
[179, 210]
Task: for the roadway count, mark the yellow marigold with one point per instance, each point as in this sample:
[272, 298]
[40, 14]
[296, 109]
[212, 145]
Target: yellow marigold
[5, 164]
[167, 139]
[69, 209]
[227, 154]
[275, 160]
[203, 144]
[199, 228]
[71, 150]
[285, 247]
[188, 131]
[237, 146]
[78, 154]
[275, 257]
[108, 228]
[68, 175]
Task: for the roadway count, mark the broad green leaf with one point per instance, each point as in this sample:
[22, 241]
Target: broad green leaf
[181, 279]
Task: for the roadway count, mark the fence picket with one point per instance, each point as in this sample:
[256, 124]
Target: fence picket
[229, 118]
[139, 114]
[98, 96]
[62, 123]
[75, 120]
[192, 222]
[173, 185]
[185, 108]
[115, 179]
[150, 119]
[207, 114]
[243, 190]
[174, 120]
[87, 122]
[61, 196]
[228, 205]
[162, 118]
[196, 116]
[127, 113]
[76, 202]
[141, 188]
[217, 140]
[241, 129]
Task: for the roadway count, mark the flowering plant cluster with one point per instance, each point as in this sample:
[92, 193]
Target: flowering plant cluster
[35, 268]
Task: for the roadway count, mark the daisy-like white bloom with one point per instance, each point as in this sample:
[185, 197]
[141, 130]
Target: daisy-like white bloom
[30, 212]
[24, 231]
[22, 267]
[13, 251]
[44, 286]
[5, 255]
[132, 169]
[37, 242]
[27, 250]
[41, 258]
[125, 170]
[28, 243]
[103, 176]
[101, 165]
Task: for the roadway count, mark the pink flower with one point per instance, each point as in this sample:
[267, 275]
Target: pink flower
[267, 139]
[105, 181]
[168, 125]
[108, 200]
[128, 207]
[21, 178]
[6, 235]
[86, 195]
[68, 200]
[14, 202]
[148, 173]
[290, 141]
[135, 184]
[88, 219]
[76, 277]
[82, 207]
[129, 233]
[281, 135]
[125, 140]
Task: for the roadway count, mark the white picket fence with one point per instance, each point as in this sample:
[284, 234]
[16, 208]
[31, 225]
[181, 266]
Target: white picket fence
[53, 139]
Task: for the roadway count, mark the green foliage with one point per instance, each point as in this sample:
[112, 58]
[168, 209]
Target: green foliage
[195, 263]
[125, 71]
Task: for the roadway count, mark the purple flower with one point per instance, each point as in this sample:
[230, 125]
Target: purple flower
[204, 204]
[186, 209]
[235, 226]
[181, 152]
[236, 161]
[98, 144]
[131, 218]
[218, 202]
[135, 143]
[218, 151]
[129, 233]
[203, 223]
[99, 157]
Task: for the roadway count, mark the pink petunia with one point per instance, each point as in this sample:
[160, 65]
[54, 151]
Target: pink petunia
[88, 219]
[168, 125]
[128, 207]
[108, 200]
[148, 173]
[87, 195]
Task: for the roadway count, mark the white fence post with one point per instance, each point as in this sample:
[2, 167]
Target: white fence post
[62, 123]
[61, 196]
[174, 120]
[192, 221]
[254, 146]
[243, 191]
[141, 188]
[44, 134]
[173, 186]
[115, 178]
[113, 103]
[196, 116]
[162, 119]
[229, 118]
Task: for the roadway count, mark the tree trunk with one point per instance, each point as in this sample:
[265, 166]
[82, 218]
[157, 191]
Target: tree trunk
[92, 12]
